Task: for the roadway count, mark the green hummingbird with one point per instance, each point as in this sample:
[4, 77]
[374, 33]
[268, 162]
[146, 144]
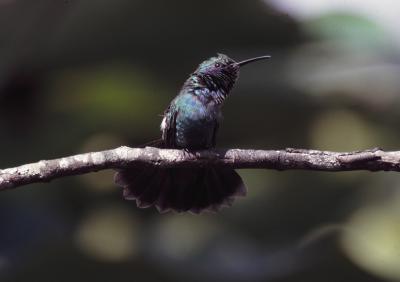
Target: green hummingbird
[191, 122]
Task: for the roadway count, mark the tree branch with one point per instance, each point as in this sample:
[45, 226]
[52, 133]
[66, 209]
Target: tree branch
[123, 157]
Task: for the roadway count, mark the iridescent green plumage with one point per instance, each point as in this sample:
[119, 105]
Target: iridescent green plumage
[191, 122]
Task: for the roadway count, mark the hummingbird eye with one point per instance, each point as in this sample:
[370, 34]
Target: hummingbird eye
[217, 65]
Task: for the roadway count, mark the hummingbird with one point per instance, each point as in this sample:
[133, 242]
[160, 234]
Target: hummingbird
[190, 122]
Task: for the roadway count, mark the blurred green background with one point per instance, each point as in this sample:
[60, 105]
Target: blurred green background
[77, 76]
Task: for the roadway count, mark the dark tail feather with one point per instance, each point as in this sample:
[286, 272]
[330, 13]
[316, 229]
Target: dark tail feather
[181, 189]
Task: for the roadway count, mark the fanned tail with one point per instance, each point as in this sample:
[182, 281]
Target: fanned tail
[181, 189]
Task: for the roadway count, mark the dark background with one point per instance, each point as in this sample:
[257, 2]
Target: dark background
[78, 76]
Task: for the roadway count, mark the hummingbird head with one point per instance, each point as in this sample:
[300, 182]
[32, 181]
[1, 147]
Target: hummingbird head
[221, 72]
[217, 65]
[218, 72]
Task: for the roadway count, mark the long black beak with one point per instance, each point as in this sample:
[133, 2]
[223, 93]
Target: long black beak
[245, 62]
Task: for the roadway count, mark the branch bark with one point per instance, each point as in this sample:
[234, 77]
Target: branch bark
[123, 157]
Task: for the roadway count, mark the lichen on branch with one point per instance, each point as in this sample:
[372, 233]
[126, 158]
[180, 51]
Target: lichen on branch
[123, 157]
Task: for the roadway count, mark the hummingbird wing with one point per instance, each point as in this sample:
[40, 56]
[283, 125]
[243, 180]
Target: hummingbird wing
[168, 126]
